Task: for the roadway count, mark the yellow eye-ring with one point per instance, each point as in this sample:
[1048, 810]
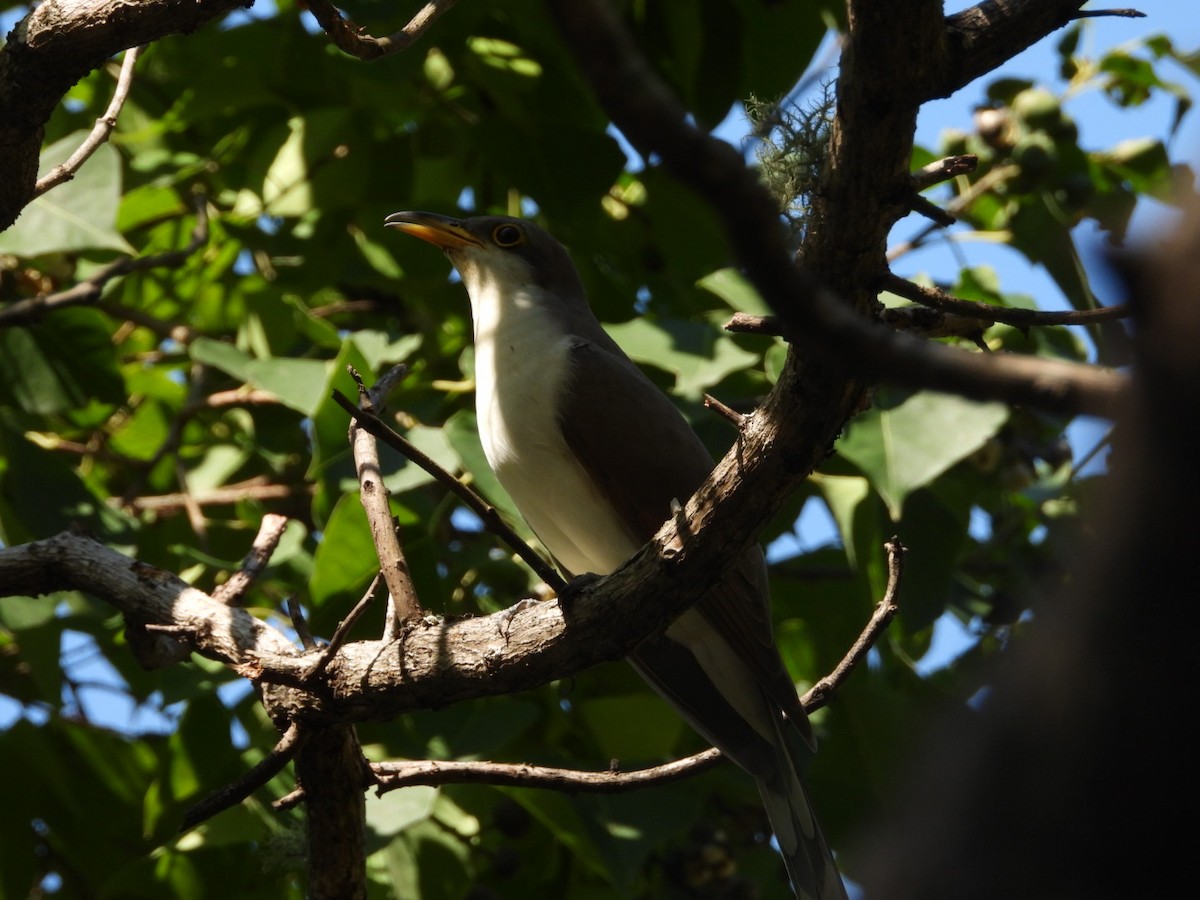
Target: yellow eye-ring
[507, 235]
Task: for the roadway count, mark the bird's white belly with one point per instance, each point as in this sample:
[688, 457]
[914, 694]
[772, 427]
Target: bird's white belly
[517, 395]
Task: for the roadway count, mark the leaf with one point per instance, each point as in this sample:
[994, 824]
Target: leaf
[393, 812]
[345, 559]
[79, 214]
[733, 287]
[60, 363]
[908, 446]
[698, 356]
[844, 495]
[632, 726]
[298, 383]
[48, 494]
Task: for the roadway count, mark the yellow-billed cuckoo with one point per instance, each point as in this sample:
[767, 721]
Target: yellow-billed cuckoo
[593, 453]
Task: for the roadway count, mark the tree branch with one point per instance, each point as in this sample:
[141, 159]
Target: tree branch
[237, 791]
[487, 513]
[53, 47]
[990, 312]
[351, 39]
[403, 604]
[270, 530]
[100, 131]
[394, 775]
[25, 312]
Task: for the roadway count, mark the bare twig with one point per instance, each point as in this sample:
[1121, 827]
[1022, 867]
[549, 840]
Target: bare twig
[1099, 13]
[257, 488]
[943, 170]
[1021, 318]
[300, 624]
[930, 210]
[745, 323]
[100, 132]
[269, 532]
[237, 791]
[885, 611]
[342, 632]
[402, 601]
[351, 39]
[731, 415]
[932, 323]
[393, 775]
[24, 312]
[486, 512]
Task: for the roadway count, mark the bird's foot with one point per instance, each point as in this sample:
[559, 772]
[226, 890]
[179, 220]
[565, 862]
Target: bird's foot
[575, 587]
[505, 616]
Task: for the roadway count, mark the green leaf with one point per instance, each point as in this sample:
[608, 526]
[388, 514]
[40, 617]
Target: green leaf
[298, 383]
[732, 287]
[907, 446]
[398, 810]
[632, 726]
[345, 559]
[77, 215]
[60, 363]
[845, 495]
[48, 494]
[698, 355]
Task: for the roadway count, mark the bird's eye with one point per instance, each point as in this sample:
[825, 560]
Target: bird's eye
[507, 236]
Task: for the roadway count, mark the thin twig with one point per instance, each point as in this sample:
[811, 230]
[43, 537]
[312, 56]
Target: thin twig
[735, 418]
[100, 132]
[237, 791]
[1021, 318]
[257, 488]
[930, 210]
[486, 512]
[933, 323]
[1098, 13]
[343, 631]
[300, 624]
[885, 611]
[351, 39]
[974, 191]
[270, 530]
[25, 312]
[746, 323]
[943, 170]
[403, 604]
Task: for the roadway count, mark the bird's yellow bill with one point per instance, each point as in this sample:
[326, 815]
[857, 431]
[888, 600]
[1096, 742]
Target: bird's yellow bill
[441, 231]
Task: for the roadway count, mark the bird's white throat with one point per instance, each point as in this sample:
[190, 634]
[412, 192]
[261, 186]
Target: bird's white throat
[522, 362]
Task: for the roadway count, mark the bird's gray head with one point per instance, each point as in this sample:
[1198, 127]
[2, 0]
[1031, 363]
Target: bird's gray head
[498, 255]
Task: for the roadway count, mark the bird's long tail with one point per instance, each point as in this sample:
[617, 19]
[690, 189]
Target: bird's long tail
[806, 853]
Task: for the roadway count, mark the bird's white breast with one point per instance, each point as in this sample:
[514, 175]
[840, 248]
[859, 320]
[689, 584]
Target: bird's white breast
[522, 362]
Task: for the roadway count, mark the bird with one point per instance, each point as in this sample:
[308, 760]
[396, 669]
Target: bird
[594, 455]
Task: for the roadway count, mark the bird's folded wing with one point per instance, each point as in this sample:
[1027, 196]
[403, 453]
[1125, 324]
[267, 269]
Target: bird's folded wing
[641, 454]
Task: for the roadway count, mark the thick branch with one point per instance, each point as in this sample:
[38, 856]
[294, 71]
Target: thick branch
[987, 35]
[144, 594]
[331, 769]
[869, 165]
